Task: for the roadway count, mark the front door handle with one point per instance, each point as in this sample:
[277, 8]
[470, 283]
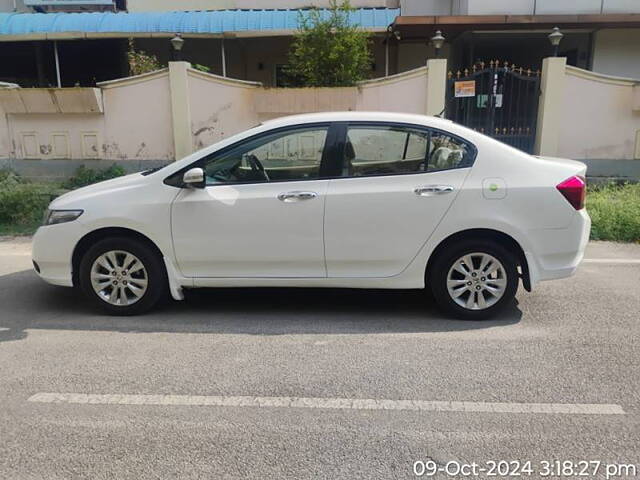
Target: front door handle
[289, 197]
[431, 190]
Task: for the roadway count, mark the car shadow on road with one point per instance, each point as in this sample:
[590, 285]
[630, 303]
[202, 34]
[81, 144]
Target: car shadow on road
[27, 303]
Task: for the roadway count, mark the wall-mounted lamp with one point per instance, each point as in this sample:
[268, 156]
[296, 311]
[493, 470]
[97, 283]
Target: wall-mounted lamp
[554, 37]
[437, 41]
[177, 43]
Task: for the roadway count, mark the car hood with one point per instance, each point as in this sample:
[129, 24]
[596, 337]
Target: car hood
[75, 198]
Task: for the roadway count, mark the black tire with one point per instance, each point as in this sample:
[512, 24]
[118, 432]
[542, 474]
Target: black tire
[157, 286]
[437, 278]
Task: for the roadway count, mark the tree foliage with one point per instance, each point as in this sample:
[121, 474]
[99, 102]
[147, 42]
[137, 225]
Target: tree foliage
[141, 62]
[327, 50]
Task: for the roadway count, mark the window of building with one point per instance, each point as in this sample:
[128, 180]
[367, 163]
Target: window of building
[283, 78]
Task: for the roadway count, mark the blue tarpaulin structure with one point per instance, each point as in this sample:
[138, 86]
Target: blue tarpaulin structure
[194, 22]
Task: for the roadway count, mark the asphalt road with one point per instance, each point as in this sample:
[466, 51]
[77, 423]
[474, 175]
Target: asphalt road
[357, 364]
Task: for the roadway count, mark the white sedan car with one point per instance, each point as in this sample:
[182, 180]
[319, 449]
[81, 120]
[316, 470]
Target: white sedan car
[348, 200]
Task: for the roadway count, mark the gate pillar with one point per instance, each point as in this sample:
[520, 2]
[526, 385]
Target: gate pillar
[180, 110]
[436, 85]
[550, 106]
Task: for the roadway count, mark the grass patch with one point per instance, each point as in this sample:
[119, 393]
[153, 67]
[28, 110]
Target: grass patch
[19, 229]
[615, 212]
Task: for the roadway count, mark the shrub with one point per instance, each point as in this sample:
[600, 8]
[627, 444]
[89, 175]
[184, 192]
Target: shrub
[86, 176]
[615, 212]
[5, 173]
[21, 203]
[329, 51]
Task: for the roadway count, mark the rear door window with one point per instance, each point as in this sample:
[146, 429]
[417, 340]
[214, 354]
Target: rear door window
[372, 150]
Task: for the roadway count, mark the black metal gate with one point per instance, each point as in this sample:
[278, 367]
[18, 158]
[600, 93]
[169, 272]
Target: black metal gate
[499, 100]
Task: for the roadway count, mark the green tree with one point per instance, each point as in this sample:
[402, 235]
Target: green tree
[327, 50]
[141, 62]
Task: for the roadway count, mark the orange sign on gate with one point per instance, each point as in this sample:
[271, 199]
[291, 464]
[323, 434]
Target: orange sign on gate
[465, 88]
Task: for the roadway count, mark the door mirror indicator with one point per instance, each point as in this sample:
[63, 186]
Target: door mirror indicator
[194, 178]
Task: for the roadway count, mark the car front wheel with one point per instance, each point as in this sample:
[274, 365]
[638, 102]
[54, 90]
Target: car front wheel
[474, 280]
[122, 276]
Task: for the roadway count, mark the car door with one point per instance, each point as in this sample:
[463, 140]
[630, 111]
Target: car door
[261, 212]
[397, 183]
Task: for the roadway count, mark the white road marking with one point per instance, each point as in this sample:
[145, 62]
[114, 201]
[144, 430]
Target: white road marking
[329, 403]
[625, 261]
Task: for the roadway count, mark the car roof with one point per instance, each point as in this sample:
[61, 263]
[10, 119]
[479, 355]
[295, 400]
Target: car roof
[357, 117]
[326, 117]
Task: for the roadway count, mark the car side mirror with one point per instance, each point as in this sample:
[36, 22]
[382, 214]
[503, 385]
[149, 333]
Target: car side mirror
[194, 178]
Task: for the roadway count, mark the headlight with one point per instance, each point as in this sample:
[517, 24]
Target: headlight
[54, 217]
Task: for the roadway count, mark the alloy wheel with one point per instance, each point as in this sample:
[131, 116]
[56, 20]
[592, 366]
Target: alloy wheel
[476, 281]
[119, 278]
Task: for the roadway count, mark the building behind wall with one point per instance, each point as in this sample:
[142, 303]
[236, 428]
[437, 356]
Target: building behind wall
[86, 57]
[44, 6]
[131, 120]
[167, 5]
[600, 35]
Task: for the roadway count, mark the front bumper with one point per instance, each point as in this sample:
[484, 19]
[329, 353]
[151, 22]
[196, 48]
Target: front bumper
[52, 251]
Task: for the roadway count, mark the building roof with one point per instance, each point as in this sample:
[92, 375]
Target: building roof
[422, 27]
[17, 26]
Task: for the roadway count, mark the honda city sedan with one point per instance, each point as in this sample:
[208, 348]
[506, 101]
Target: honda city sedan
[341, 200]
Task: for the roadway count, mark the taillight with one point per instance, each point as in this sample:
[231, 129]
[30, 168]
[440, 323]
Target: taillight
[574, 189]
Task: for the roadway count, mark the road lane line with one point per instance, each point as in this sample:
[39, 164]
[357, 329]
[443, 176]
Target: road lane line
[329, 403]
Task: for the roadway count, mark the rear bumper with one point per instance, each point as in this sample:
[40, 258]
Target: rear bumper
[558, 252]
[52, 251]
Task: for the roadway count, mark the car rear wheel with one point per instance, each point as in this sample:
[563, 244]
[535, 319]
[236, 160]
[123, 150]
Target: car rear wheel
[474, 280]
[122, 276]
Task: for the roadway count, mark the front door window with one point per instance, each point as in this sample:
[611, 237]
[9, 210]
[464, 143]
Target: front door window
[284, 156]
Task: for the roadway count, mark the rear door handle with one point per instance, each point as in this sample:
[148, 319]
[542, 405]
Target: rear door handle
[289, 197]
[431, 190]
